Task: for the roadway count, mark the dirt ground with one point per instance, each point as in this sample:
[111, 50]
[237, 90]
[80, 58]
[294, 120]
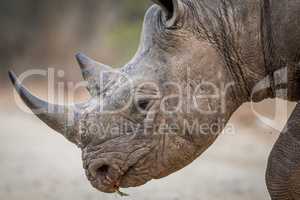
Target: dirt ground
[37, 163]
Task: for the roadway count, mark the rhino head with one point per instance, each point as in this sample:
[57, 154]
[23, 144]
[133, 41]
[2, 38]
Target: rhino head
[141, 121]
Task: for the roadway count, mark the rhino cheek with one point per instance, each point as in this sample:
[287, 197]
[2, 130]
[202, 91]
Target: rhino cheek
[171, 154]
[175, 155]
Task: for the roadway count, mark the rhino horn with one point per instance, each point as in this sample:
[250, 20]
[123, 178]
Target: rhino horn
[63, 119]
[95, 73]
[90, 67]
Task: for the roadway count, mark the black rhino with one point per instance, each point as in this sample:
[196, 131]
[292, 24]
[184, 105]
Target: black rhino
[197, 63]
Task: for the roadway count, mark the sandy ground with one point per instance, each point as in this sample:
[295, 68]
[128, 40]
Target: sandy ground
[37, 163]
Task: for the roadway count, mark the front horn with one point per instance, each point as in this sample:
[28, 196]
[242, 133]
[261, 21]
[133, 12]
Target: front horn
[63, 119]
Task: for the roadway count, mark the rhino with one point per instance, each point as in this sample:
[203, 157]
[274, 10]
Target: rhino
[198, 61]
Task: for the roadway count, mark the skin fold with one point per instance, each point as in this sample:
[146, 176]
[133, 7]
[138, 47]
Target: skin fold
[237, 51]
[283, 171]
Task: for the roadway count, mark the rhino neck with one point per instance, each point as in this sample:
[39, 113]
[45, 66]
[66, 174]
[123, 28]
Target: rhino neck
[280, 49]
[234, 28]
[244, 33]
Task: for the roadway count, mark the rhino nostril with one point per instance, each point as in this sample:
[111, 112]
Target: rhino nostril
[103, 170]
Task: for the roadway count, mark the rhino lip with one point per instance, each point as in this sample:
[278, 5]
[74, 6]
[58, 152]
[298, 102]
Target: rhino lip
[126, 176]
[109, 183]
[132, 173]
[104, 177]
[116, 173]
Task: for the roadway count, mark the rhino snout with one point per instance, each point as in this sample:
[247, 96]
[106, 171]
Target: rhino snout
[105, 175]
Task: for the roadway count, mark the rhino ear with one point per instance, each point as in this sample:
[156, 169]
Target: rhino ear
[172, 10]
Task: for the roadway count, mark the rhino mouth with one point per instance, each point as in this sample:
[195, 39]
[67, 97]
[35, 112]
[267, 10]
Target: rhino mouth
[102, 181]
[136, 175]
[111, 173]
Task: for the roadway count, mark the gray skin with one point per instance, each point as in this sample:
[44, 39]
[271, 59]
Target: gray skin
[237, 43]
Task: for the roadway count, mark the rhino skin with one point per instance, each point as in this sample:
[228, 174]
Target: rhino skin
[250, 46]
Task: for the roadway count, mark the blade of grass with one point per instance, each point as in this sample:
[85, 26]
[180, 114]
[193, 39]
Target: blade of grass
[122, 194]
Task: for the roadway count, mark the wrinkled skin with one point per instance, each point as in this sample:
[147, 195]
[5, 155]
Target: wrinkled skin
[186, 42]
[154, 155]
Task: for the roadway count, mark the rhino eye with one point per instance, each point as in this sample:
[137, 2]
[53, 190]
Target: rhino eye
[143, 104]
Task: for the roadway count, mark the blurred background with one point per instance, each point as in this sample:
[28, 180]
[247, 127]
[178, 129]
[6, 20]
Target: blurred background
[37, 163]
